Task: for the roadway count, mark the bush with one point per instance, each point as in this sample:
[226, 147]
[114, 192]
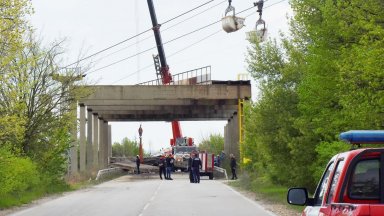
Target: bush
[17, 174]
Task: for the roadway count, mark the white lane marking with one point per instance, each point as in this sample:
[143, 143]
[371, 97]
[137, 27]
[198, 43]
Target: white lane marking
[151, 199]
[251, 201]
[146, 206]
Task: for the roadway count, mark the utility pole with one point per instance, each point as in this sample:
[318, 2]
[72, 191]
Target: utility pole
[141, 144]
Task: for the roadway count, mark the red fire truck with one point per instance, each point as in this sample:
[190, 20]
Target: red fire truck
[352, 183]
[181, 146]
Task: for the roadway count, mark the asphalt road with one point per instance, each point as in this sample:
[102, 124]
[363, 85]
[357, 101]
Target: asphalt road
[150, 196]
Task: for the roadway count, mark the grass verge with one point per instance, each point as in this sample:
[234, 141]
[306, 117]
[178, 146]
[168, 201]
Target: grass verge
[14, 200]
[18, 199]
[265, 190]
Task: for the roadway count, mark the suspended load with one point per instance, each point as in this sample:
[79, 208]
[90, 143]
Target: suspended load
[231, 23]
[260, 31]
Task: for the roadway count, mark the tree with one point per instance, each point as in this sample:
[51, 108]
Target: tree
[214, 144]
[325, 78]
[13, 25]
[126, 148]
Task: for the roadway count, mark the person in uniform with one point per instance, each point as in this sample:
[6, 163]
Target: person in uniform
[233, 166]
[196, 166]
[190, 167]
[162, 167]
[138, 164]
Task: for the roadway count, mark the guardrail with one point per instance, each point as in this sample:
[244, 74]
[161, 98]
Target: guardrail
[222, 170]
[108, 172]
[199, 76]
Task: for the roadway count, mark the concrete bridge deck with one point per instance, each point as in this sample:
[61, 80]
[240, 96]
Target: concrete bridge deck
[216, 100]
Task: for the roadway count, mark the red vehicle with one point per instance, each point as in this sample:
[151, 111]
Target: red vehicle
[207, 161]
[352, 183]
[163, 73]
[181, 146]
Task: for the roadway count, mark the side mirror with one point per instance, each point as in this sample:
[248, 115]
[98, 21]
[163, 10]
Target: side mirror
[297, 196]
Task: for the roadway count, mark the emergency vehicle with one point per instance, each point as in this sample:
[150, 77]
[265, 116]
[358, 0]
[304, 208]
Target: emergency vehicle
[352, 183]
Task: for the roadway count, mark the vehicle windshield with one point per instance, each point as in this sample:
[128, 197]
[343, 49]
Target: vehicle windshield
[184, 149]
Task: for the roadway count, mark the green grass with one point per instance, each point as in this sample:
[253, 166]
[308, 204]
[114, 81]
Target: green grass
[17, 199]
[265, 190]
[12, 200]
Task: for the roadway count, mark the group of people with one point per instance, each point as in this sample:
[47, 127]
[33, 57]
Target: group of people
[166, 166]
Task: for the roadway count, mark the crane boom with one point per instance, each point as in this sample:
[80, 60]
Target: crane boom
[166, 76]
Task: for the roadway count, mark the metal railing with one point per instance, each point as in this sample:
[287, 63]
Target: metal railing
[222, 170]
[199, 76]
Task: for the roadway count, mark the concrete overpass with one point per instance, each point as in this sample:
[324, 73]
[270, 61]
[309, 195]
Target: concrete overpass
[217, 100]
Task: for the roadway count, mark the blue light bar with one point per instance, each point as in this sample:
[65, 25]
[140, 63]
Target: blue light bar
[363, 136]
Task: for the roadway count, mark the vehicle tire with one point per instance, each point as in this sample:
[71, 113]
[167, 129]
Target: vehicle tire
[210, 176]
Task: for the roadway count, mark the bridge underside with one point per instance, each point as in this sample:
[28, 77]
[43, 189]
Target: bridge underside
[167, 103]
[215, 101]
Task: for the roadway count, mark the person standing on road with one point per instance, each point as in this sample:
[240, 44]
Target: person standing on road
[233, 166]
[190, 167]
[162, 167]
[138, 164]
[168, 169]
[196, 166]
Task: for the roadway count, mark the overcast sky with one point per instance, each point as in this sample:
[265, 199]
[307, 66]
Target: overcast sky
[92, 25]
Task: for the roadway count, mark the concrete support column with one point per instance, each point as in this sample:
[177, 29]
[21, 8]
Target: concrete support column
[73, 150]
[109, 141]
[82, 139]
[101, 143]
[236, 137]
[231, 136]
[226, 139]
[90, 125]
[231, 144]
[105, 137]
[95, 141]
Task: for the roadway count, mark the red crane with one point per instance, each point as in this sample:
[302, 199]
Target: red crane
[162, 71]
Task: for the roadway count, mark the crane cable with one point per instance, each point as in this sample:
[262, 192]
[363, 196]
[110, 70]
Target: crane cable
[134, 36]
[151, 65]
[170, 56]
[181, 36]
[101, 58]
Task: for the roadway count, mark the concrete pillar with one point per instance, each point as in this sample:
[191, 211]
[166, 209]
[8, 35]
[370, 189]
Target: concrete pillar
[230, 132]
[73, 150]
[95, 141]
[226, 138]
[101, 143]
[89, 140]
[82, 138]
[236, 137]
[109, 141]
[105, 136]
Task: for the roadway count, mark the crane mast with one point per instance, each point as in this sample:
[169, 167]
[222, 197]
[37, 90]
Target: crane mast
[166, 76]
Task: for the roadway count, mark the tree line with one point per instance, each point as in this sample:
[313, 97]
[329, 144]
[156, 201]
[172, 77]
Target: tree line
[125, 148]
[36, 116]
[324, 77]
